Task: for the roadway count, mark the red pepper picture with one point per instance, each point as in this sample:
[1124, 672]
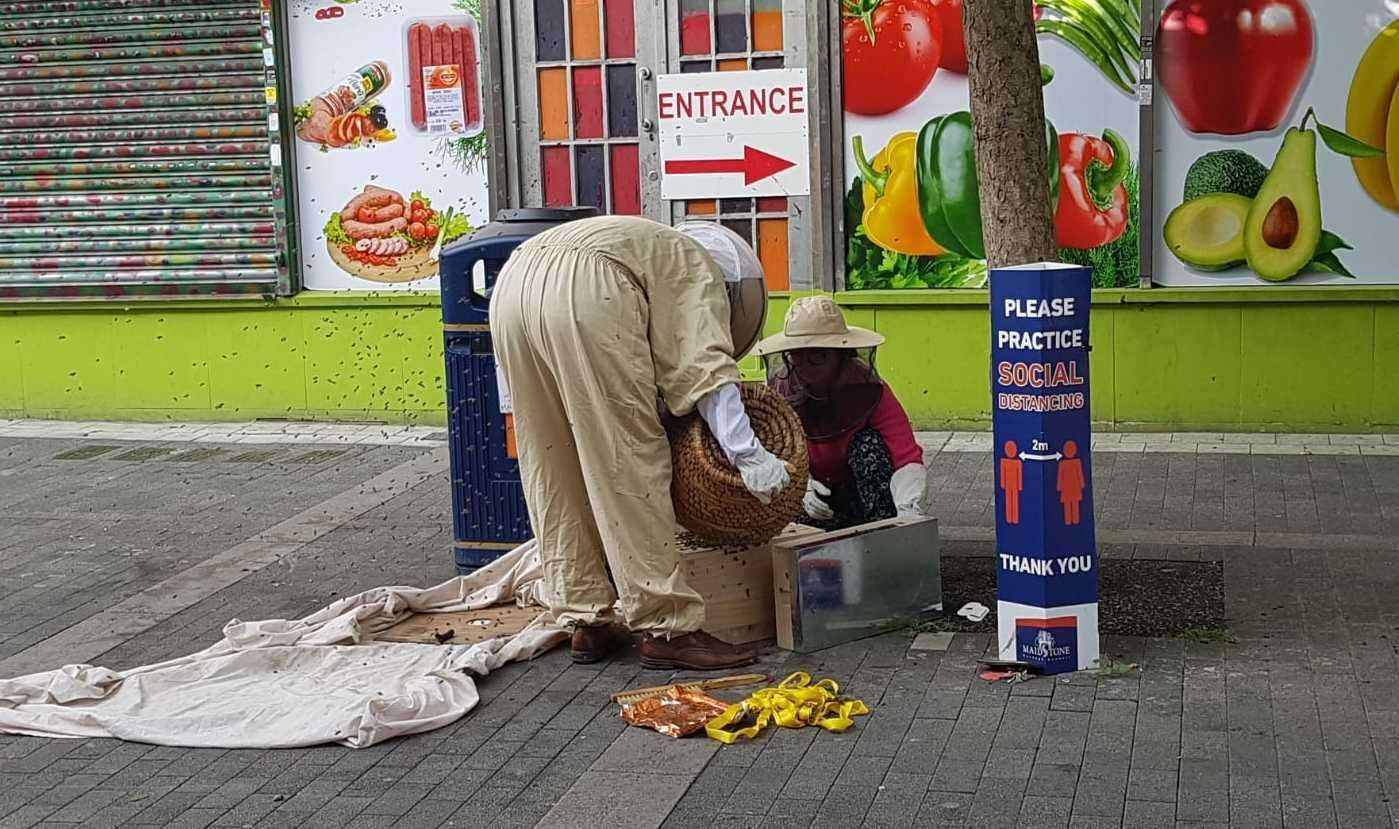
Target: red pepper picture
[891, 51]
[1093, 209]
[1234, 66]
[954, 39]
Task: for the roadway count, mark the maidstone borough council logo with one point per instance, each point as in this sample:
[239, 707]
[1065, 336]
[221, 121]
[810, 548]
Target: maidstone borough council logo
[1050, 643]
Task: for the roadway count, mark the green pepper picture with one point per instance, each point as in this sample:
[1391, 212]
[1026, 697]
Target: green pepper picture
[947, 184]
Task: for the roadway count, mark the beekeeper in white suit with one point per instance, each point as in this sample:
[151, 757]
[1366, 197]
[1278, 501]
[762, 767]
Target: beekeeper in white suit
[592, 321]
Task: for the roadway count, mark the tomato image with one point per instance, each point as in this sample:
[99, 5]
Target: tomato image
[891, 49]
[954, 40]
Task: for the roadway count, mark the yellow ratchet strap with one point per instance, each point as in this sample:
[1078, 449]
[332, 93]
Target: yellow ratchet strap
[795, 702]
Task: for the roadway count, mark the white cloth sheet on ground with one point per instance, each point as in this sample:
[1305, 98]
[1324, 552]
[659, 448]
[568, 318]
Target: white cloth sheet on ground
[283, 683]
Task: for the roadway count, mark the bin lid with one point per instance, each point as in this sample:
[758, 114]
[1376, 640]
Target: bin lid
[529, 221]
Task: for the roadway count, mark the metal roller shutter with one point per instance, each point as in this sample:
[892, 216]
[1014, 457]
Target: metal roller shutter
[139, 150]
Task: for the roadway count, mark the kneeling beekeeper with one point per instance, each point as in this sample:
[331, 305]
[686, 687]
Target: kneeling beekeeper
[592, 320]
[866, 464]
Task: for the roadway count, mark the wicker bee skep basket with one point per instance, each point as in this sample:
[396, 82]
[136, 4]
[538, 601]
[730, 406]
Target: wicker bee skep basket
[709, 496]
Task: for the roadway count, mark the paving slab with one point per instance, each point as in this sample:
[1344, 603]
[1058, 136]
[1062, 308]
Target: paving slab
[1284, 717]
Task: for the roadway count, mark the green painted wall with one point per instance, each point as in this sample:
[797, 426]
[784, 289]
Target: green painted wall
[1296, 359]
[361, 357]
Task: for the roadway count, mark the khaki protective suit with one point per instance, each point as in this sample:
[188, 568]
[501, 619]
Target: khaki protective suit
[590, 320]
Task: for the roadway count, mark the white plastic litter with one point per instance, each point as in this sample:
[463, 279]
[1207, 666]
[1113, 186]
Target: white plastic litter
[975, 611]
[281, 683]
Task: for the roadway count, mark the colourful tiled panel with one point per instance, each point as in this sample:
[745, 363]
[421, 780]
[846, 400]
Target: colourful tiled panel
[626, 180]
[767, 25]
[590, 174]
[621, 29]
[549, 30]
[621, 101]
[587, 102]
[553, 104]
[586, 42]
[558, 177]
[772, 251]
[731, 31]
[694, 27]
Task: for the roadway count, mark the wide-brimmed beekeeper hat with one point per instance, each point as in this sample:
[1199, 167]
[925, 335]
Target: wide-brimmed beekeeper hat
[743, 278]
[816, 322]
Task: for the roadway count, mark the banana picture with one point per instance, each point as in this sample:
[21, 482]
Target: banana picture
[1372, 116]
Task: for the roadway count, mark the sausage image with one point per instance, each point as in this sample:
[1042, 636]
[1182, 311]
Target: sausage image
[365, 84]
[372, 196]
[392, 246]
[347, 129]
[418, 115]
[466, 59]
[443, 45]
[357, 230]
[373, 215]
[425, 53]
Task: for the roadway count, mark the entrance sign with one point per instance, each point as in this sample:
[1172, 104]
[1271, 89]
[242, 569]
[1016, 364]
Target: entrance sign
[733, 134]
[1046, 552]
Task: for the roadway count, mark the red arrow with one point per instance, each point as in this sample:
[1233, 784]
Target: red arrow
[755, 165]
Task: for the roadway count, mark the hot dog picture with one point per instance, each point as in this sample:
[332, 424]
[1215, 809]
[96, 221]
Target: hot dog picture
[348, 114]
[383, 237]
[444, 94]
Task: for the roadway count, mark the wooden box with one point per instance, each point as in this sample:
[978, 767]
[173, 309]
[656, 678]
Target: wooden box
[736, 583]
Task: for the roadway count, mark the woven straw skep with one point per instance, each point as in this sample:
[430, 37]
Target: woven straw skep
[709, 496]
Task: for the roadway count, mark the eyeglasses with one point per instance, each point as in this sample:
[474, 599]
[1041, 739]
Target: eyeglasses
[811, 357]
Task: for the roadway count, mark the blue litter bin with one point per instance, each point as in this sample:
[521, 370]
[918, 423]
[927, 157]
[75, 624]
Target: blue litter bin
[489, 516]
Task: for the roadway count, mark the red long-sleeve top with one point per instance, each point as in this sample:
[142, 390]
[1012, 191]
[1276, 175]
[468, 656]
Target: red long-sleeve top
[830, 457]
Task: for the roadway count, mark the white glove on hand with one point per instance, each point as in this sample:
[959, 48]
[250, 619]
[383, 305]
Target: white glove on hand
[764, 474]
[909, 486]
[815, 501]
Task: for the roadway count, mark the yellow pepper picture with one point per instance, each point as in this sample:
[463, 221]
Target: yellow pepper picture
[892, 219]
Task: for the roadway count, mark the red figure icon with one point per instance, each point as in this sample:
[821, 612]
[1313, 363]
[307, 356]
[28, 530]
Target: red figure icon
[1012, 481]
[1071, 484]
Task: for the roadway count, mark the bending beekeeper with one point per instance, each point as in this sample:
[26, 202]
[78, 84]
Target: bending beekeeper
[593, 320]
[865, 463]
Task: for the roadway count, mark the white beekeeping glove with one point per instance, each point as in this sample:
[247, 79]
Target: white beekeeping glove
[815, 501]
[763, 473]
[909, 486]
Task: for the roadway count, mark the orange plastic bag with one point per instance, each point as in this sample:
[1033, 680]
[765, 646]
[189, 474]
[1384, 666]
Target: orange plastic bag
[676, 713]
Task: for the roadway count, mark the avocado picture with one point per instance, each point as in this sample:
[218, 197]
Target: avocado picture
[1283, 227]
[1207, 233]
[1225, 171]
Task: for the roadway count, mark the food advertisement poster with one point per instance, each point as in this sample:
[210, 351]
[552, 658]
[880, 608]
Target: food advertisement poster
[390, 148]
[1278, 142]
[913, 217]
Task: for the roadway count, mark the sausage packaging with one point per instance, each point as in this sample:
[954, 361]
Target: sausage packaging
[443, 87]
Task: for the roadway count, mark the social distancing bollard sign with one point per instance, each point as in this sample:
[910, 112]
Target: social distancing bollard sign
[1046, 552]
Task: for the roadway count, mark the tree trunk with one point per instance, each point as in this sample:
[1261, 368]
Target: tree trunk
[1007, 107]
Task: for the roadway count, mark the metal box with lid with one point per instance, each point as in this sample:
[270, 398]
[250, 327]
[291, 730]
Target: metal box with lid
[489, 516]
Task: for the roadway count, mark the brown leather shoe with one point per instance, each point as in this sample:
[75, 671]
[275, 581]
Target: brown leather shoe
[597, 642]
[696, 651]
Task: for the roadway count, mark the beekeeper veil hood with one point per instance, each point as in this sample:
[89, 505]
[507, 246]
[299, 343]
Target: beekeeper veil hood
[743, 277]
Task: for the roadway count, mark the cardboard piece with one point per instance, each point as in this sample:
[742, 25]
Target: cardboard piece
[468, 627]
[839, 586]
[736, 583]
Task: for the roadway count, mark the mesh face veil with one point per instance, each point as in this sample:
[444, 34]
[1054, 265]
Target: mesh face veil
[743, 280]
[834, 390]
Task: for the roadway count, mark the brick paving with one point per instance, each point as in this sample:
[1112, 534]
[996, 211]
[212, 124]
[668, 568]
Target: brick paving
[1291, 722]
